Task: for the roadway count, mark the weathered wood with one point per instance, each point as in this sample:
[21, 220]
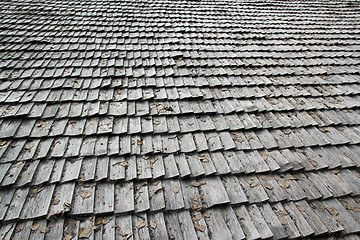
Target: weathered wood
[217, 225]
[182, 164]
[257, 162]
[342, 216]
[43, 172]
[173, 226]
[158, 226]
[234, 190]
[83, 200]
[273, 222]
[232, 223]
[273, 189]
[29, 150]
[246, 223]
[57, 171]
[187, 143]
[4, 169]
[141, 197]
[108, 229]
[311, 217]
[7, 230]
[220, 163]
[12, 152]
[56, 229]
[253, 189]
[191, 195]
[104, 198]
[27, 174]
[39, 233]
[38, 202]
[59, 146]
[13, 173]
[6, 196]
[259, 222]
[286, 220]
[171, 169]
[124, 197]
[22, 230]
[125, 226]
[213, 192]
[157, 166]
[200, 141]
[140, 231]
[101, 146]
[173, 194]
[207, 163]
[302, 225]
[245, 162]
[170, 144]
[186, 225]
[62, 198]
[117, 167]
[156, 194]
[195, 165]
[102, 168]
[71, 170]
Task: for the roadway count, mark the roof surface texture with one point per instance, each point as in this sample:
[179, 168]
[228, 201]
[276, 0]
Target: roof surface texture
[179, 119]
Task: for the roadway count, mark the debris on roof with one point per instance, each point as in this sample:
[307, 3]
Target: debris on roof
[179, 119]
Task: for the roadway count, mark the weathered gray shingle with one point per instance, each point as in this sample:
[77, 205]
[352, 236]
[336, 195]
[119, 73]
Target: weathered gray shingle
[185, 120]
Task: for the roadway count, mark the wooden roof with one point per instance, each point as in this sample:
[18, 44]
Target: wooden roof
[179, 119]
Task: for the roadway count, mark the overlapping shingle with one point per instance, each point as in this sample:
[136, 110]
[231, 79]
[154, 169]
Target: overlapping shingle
[180, 120]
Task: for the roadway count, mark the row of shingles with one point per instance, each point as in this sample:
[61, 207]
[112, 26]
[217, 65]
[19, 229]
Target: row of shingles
[304, 55]
[179, 72]
[79, 198]
[246, 28]
[278, 221]
[93, 102]
[77, 125]
[286, 137]
[165, 42]
[127, 10]
[141, 48]
[170, 37]
[262, 12]
[213, 88]
[184, 93]
[262, 66]
[40, 68]
[241, 26]
[22, 102]
[106, 25]
[212, 26]
[226, 25]
[150, 16]
[251, 124]
[138, 144]
[248, 11]
[123, 85]
[118, 168]
[201, 8]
